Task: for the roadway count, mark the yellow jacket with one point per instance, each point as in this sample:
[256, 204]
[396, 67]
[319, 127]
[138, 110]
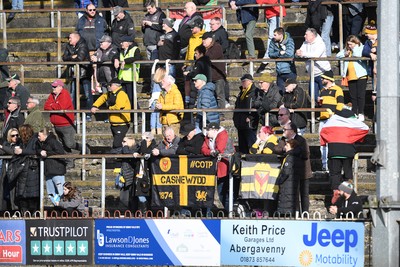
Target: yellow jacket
[194, 41]
[170, 101]
[116, 101]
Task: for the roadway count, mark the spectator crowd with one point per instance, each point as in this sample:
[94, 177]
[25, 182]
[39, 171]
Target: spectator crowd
[204, 86]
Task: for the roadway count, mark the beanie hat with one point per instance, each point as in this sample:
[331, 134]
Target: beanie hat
[346, 187]
[371, 28]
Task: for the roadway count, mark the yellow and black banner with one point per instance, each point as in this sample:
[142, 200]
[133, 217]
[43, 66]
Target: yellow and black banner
[259, 176]
[183, 181]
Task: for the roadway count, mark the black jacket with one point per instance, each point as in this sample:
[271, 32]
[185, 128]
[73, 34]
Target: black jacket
[293, 100]
[13, 120]
[92, 30]
[151, 34]
[217, 68]
[185, 28]
[353, 204]
[239, 118]
[221, 37]
[191, 147]
[171, 46]
[52, 146]
[106, 72]
[21, 92]
[288, 185]
[81, 51]
[28, 182]
[265, 102]
[124, 27]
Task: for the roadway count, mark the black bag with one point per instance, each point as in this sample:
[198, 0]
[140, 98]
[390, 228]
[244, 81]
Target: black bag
[233, 51]
[15, 167]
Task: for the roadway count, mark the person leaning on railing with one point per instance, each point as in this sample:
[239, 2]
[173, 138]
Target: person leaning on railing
[116, 99]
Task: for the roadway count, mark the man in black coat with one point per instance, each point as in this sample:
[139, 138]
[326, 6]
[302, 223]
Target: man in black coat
[16, 89]
[191, 143]
[76, 51]
[152, 28]
[121, 26]
[349, 204]
[267, 98]
[12, 116]
[186, 25]
[246, 123]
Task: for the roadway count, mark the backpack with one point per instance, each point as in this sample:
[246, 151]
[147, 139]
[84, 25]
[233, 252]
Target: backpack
[233, 51]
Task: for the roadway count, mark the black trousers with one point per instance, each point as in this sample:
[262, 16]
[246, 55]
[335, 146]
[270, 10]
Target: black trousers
[119, 133]
[305, 195]
[336, 165]
[357, 89]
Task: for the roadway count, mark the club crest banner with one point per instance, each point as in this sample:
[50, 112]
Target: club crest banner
[183, 181]
[259, 176]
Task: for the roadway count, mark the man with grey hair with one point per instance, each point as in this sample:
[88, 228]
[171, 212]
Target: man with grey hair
[186, 25]
[15, 88]
[314, 46]
[170, 99]
[169, 145]
[35, 116]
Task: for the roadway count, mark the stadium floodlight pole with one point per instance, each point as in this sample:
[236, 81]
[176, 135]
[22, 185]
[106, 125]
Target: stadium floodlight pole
[386, 213]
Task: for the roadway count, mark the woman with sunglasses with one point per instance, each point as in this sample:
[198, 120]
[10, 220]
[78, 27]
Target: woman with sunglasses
[7, 185]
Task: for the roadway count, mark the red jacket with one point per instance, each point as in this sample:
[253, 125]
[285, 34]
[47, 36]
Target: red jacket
[220, 144]
[272, 11]
[61, 102]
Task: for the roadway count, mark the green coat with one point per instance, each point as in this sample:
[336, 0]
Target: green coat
[36, 119]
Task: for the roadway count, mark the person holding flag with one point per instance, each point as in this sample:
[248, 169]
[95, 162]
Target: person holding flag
[340, 133]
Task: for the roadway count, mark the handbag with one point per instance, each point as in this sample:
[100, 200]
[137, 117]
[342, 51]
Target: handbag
[345, 82]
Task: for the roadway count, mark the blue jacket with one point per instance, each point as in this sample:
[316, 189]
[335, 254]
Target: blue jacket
[359, 65]
[206, 100]
[366, 53]
[246, 14]
[92, 32]
[287, 45]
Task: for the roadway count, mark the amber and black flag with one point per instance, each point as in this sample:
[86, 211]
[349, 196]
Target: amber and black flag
[183, 181]
[259, 174]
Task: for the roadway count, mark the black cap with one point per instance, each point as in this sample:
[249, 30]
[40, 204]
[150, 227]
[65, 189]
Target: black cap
[115, 80]
[199, 23]
[328, 75]
[207, 35]
[246, 77]
[187, 128]
[212, 126]
[290, 81]
[126, 38]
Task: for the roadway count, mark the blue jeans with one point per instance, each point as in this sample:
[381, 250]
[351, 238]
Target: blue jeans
[17, 4]
[317, 87]
[155, 116]
[54, 185]
[323, 149]
[325, 34]
[86, 85]
[272, 24]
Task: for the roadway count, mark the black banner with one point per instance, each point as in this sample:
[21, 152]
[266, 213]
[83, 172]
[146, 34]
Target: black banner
[182, 181]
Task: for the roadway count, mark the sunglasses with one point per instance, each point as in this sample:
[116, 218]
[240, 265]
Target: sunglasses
[282, 114]
[91, 9]
[11, 103]
[14, 135]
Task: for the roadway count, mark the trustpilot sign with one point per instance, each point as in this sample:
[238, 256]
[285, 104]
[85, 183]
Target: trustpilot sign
[292, 243]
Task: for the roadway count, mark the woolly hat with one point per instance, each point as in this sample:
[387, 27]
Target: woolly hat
[371, 28]
[328, 75]
[290, 81]
[169, 22]
[346, 187]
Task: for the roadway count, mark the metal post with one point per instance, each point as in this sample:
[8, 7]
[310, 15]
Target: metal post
[83, 173]
[52, 14]
[41, 185]
[103, 186]
[135, 105]
[143, 122]
[59, 43]
[385, 234]
[312, 86]
[77, 96]
[230, 203]
[4, 24]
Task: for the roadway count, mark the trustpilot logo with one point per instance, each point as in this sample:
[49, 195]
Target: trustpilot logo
[100, 238]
